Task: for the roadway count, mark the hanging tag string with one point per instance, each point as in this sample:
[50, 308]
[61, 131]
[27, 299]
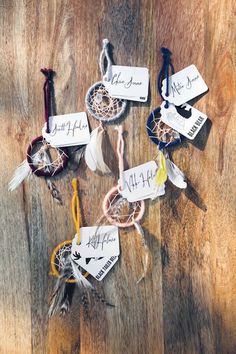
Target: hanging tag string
[120, 153]
[106, 73]
[47, 89]
[76, 208]
[164, 72]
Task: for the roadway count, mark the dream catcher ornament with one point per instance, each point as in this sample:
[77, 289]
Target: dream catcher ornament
[163, 135]
[175, 118]
[105, 109]
[42, 159]
[66, 259]
[120, 211]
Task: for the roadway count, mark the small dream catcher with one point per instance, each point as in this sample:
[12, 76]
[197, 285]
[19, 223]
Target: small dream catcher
[67, 271]
[122, 213]
[105, 109]
[163, 135]
[42, 159]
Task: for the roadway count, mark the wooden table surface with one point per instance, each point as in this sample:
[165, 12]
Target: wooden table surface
[187, 302]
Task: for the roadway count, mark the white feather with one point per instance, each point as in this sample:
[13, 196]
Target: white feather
[158, 191]
[146, 255]
[93, 152]
[79, 276]
[175, 175]
[22, 172]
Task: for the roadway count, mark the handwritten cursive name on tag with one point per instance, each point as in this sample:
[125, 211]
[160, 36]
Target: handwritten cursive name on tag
[186, 119]
[130, 83]
[68, 130]
[139, 182]
[97, 241]
[184, 86]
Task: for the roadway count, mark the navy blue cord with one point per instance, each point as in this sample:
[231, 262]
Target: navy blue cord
[164, 73]
[166, 70]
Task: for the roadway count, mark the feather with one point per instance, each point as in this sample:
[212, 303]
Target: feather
[65, 306]
[146, 254]
[175, 175]
[158, 191]
[99, 298]
[86, 287]
[54, 191]
[22, 172]
[93, 152]
[161, 175]
[82, 281]
[85, 302]
[78, 154]
[59, 302]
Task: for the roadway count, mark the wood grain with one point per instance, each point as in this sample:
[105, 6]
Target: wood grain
[187, 303]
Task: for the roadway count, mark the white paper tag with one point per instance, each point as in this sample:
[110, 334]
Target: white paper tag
[186, 119]
[97, 241]
[139, 182]
[184, 86]
[68, 130]
[129, 83]
[97, 267]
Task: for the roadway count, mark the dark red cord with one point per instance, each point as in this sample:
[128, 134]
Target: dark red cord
[47, 89]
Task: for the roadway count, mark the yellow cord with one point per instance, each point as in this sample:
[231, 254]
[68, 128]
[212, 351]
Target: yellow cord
[76, 208]
[76, 211]
[161, 175]
[76, 216]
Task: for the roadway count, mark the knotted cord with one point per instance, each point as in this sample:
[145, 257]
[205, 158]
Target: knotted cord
[76, 208]
[120, 153]
[105, 71]
[159, 132]
[47, 90]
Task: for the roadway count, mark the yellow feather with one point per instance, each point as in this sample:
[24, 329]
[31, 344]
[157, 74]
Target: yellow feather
[161, 175]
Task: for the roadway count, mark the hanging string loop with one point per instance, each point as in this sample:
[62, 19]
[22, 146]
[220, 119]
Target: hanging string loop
[75, 207]
[105, 62]
[47, 90]
[167, 66]
[120, 153]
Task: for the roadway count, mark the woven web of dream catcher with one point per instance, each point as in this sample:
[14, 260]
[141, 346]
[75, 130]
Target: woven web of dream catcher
[162, 131]
[60, 260]
[43, 160]
[120, 210]
[102, 106]
[61, 256]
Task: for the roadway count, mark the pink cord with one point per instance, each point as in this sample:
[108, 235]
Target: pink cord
[120, 153]
[116, 191]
